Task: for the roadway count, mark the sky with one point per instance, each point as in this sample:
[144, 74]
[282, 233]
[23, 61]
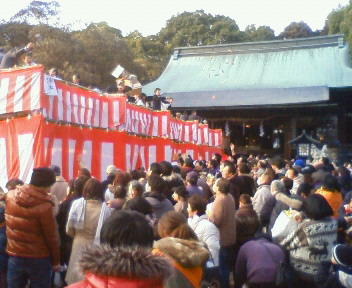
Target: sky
[148, 17]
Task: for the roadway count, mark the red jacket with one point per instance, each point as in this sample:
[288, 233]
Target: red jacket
[98, 281]
[128, 267]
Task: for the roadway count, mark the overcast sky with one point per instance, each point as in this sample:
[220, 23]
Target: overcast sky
[148, 17]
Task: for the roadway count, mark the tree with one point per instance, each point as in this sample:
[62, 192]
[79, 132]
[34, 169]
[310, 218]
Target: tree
[14, 34]
[37, 12]
[198, 28]
[296, 30]
[262, 33]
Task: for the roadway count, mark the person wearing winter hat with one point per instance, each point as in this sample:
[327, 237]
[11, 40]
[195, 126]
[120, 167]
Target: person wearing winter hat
[32, 240]
[341, 261]
[111, 171]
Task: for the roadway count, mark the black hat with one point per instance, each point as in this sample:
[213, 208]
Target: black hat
[189, 162]
[56, 169]
[342, 254]
[43, 177]
[309, 169]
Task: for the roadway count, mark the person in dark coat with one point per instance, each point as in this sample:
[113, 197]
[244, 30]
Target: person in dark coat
[13, 57]
[156, 100]
[247, 221]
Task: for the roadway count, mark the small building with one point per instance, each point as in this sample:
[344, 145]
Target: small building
[265, 93]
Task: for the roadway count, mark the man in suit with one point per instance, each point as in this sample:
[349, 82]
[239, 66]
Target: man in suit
[15, 56]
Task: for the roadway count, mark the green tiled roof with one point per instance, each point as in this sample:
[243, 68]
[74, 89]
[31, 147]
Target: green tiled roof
[261, 69]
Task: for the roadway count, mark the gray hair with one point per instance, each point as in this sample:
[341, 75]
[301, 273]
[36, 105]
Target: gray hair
[277, 186]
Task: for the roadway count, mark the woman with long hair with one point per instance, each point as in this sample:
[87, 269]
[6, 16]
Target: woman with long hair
[180, 243]
[87, 215]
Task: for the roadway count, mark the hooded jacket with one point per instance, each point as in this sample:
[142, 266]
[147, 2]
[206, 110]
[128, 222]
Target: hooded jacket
[30, 224]
[188, 258]
[208, 233]
[106, 267]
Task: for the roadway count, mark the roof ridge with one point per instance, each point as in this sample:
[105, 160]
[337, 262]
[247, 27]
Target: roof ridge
[261, 46]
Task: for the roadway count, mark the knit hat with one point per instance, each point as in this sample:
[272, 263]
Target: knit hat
[342, 254]
[111, 169]
[42, 177]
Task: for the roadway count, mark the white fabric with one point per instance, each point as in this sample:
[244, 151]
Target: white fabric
[260, 197]
[345, 279]
[208, 233]
[76, 215]
[283, 226]
[104, 213]
[108, 196]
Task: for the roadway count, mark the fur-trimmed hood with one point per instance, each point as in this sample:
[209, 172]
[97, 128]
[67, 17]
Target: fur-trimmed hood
[188, 253]
[127, 262]
[293, 203]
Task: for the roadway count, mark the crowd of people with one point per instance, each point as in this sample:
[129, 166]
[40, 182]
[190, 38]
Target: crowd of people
[231, 221]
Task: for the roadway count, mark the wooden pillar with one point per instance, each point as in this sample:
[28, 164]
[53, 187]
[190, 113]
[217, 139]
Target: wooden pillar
[289, 134]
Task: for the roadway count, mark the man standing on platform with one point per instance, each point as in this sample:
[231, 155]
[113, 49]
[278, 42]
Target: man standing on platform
[15, 56]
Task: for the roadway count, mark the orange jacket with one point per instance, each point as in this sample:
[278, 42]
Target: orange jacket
[30, 224]
[334, 199]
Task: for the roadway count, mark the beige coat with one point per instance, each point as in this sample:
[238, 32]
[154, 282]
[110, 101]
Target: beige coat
[81, 238]
[224, 217]
[59, 189]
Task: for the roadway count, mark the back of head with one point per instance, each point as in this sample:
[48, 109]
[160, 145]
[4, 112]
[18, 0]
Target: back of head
[156, 183]
[217, 157]
[330, 183]
[12, 183]
[140, 205]
[304, 190]
[120, 192]
[189, 163]
[214, 163]
[155, 168]
[288, 183]
[136, 187]
[278, 162]
[245, 199]
[93, 190]
[198, 203]
[174, 224]
[317, 207]
[79, 185]
[56, 170]
[181, 192]
[277, 186]
[243, 168]
[84, 172]
[126, 228]
[192, 178]
[166, 168]
[223, 185]
[43, 177]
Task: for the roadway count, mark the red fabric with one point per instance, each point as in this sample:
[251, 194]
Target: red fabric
[99, 281]
[71, 147]
[21, 89]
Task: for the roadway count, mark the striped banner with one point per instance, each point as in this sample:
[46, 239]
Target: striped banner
[27, 143]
